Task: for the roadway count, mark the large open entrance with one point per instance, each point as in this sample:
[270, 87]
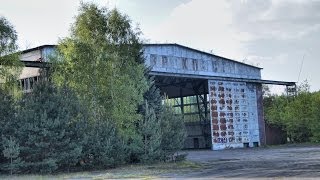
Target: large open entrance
[189, 97]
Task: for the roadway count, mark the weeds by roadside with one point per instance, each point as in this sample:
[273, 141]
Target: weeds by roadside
[136, 171]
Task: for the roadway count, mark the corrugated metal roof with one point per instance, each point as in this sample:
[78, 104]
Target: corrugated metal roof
[38, 48]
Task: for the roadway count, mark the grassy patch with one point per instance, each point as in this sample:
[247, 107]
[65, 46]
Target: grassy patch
[138, 171]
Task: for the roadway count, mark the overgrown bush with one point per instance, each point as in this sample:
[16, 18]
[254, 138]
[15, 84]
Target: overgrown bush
[46, 128]
[103, 147]
[173, 133]
[298, 116]
[98, 108]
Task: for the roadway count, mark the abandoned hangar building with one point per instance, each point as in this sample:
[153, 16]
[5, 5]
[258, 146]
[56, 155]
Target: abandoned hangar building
[220, 98]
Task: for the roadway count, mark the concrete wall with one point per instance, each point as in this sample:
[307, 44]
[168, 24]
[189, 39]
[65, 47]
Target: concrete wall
[234, 114]
[177, 59]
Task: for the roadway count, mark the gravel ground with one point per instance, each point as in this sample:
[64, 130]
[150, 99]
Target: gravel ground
[275, 162]
[279, 162]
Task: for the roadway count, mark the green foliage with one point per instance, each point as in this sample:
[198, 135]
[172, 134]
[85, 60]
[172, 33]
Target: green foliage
[8, 37]
[99, 108]
[315, 118]
[47, 129]
[274, 109]
[163, 133]
[103, 147]
[153, 96]
[7, 109]
[101, 61]
[11, 151]
[173, 132]
[299, 116]
[7, 114]
[150, 131]
[10, 66]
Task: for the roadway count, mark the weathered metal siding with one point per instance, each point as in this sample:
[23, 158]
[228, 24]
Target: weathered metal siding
[30, 56]
[176, 59]
[35, 55]
[234, 116]
[47, 53]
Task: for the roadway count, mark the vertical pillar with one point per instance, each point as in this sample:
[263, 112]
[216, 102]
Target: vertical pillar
[205, 103]
[181, 102]
[261, 122]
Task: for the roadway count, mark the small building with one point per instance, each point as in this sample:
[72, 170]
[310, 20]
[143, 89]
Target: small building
[220, 98]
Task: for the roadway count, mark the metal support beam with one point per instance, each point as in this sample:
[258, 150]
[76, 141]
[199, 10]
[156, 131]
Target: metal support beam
[36, 64]
[220, 78]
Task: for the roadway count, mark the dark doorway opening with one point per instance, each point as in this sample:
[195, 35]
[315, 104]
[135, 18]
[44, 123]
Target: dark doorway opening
[189, 97]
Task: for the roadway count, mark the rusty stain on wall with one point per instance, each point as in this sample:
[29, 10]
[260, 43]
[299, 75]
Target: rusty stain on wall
[231, 103]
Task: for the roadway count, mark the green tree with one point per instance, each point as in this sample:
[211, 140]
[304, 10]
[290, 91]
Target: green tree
[11, 151]
[150, 130]
[7, 110]
[173, 133]
[103, 147]
[274, 109]
[315, 119]
[153, 95]
[7, 115]
[102, 62]
[297, 116]
[49, 128]
[10, 65]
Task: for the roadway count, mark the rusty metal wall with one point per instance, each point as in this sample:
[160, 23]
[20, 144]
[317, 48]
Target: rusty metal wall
[234, 115]
[275, 135]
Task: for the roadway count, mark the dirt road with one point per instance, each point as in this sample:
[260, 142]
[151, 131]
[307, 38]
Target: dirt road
[257, 162]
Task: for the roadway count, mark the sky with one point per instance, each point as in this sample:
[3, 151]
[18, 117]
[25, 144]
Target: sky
[281, 36]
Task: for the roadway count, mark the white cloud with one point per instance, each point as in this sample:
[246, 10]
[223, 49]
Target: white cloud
[272, 34]
[279, 19]
[280, 59]
[203, 24]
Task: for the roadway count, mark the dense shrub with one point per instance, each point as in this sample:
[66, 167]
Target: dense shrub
[47, 129]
